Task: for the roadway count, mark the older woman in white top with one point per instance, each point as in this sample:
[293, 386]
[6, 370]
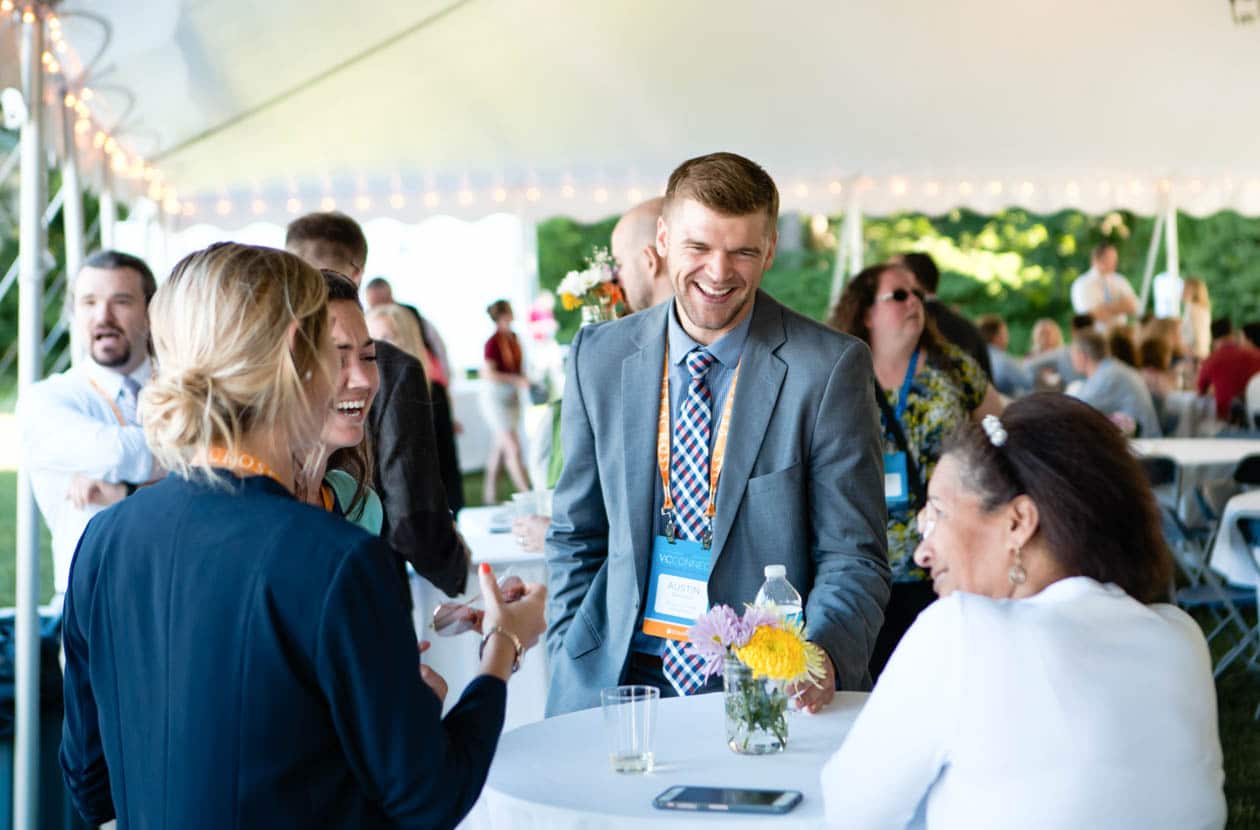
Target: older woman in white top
[1047, 687]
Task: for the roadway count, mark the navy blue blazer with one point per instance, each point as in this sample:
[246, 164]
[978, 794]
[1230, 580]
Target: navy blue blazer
[235, 658]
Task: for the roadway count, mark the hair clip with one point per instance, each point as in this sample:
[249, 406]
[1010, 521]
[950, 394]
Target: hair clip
[993, 428]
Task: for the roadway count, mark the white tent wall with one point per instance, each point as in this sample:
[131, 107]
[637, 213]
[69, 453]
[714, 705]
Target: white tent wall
[466, 107]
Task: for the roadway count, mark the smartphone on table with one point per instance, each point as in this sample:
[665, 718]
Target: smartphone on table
[727, 800]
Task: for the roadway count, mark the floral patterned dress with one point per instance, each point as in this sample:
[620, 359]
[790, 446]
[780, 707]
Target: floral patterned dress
[942, 396]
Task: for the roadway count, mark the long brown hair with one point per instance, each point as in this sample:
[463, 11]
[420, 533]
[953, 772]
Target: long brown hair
[1097, 513]
[356, 460]
[849, 313]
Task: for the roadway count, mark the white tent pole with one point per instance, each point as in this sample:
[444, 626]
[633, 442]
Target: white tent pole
[108, 212]
[30, 368]
[1152, 251]
[1172, 251]
[71, 211]
[848, 260]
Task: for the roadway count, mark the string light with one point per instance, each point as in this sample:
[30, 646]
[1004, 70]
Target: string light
[995, 187]
[1026, 189]
[259, 207]
[111, 145]
[98, 141]
[634, 195]
[155, 191]
[466, 197]
[533, 194]
[432, 200]
[327, 203]
[189, 209]
[28, 16]
[965, 188]
[500, 195]
[898, 187]
[82, 126]
[836, 188]
[601, 195]
[294, 205]
[802, 190]
[71, 101]
[223, 207]
[397, 201]
[568, 191]
[932, 188]
[6, 5]
[54, 67]
[85, 94]
[46, 58]
[362, 203]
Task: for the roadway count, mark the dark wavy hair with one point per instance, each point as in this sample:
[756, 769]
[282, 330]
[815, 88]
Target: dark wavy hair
[849, 313]
[356, 460]
[1098, 515]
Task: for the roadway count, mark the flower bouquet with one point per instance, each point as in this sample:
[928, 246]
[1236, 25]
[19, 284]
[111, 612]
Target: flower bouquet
[594, 289]
[758, 655]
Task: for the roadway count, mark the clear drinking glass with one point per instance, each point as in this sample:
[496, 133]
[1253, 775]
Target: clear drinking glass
[629, 725]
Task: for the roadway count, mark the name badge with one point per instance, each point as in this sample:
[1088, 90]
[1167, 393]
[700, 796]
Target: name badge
[896, 481]
[678, 588]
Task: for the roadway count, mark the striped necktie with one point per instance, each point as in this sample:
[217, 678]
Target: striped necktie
[128, 399]
[689, 488]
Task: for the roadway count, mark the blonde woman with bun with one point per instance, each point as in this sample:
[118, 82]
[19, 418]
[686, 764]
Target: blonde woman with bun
[234, 657]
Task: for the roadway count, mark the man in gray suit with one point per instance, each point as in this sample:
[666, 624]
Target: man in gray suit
[799, 477]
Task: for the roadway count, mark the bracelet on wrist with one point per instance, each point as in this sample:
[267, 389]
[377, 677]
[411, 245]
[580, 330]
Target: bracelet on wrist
[516, 644]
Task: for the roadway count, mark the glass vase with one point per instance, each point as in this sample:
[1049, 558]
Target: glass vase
[599, 310]
[756, 711]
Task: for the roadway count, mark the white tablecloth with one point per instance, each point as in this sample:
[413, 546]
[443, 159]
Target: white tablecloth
[1232, 557]
[455, 658]
[555, 774]
[1207, 464]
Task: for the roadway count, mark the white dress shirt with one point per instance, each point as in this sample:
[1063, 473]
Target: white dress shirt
[1092, 289]
[67, 427]
[1078, 707]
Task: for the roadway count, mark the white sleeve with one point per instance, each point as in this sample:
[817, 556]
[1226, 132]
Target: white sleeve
[1126, 287]
[1080, 300]
[901, 740]
[58, 436]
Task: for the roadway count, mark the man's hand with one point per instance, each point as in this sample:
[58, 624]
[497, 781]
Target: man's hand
[813, 698]
[84, 491]
[431, 678]
[531, 532]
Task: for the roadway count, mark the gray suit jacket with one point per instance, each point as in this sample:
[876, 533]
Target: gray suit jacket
[802, 486]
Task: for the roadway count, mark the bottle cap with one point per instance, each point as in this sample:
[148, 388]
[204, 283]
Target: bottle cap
[776, 571]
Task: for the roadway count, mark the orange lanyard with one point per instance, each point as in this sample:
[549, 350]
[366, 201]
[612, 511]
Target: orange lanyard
[663, 442]
[242, 463]
[122, 422]
[326, 496]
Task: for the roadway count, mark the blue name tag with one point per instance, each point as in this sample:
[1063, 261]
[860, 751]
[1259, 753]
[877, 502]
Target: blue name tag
[896, 481]
[678, 587]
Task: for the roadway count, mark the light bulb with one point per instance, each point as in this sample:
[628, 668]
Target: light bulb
[294, 205]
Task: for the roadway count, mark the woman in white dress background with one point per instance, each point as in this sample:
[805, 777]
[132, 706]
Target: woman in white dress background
[1049, 686]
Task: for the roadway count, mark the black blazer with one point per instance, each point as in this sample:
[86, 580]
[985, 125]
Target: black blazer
[961, 332]
[418, 521]
[235, 658]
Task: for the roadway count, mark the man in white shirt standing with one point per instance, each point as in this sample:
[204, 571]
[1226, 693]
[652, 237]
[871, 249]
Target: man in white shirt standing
[1102, 291]
[82, 444]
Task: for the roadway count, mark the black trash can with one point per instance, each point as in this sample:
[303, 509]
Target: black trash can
[55, 810]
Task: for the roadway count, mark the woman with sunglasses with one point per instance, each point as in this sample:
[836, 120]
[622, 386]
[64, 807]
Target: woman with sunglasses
[929, 387]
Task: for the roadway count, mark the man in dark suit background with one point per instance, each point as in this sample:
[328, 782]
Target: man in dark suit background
[802, 482]
[418, 523]
[953, 326]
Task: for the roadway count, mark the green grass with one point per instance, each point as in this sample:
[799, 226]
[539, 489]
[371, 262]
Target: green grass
[8, 545]
[1238, 691]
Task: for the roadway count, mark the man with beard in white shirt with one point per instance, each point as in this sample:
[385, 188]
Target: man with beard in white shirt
[81, 439]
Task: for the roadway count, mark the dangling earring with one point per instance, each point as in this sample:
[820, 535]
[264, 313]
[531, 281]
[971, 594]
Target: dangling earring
[1017, 575]
[307, 376]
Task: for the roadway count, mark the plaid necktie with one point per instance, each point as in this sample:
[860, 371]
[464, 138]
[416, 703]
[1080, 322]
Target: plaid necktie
[689, 487]
[128, 398]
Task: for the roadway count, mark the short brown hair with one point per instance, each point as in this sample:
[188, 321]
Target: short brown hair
[327, 240]
[1091, 343]
[498, 308]
[1096, 511]
[1123, 345]
[990, 325]
[727, 183]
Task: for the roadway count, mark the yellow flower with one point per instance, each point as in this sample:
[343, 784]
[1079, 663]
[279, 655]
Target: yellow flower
[569, 301]
[782, 655]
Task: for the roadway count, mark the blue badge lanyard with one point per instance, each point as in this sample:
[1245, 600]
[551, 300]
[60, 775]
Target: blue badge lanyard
[903, 398]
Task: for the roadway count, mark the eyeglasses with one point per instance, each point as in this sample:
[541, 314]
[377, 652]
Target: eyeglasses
[900, 295]
[926, 520]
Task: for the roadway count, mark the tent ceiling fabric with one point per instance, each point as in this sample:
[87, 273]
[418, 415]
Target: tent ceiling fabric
[565, 107]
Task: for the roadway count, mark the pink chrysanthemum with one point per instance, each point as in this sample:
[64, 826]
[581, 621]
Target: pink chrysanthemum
[716, 632]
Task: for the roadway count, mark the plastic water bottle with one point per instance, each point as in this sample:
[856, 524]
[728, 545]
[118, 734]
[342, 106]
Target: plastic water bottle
[777, 591]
